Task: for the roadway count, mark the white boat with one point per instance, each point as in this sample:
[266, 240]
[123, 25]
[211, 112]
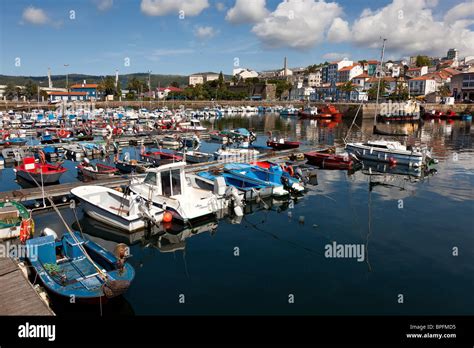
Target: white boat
[125, 212]
[387, 151]
[168, 188]
[193, 125]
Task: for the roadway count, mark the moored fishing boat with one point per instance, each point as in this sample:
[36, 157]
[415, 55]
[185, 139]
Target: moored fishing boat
[196, 156]
[254, 173]
[388, 151]
[78, 267]
[329, 161]
[15, 220]
[39, 173]
[167, 187]
[96, 171]
[125, 212]
[282, 144]
[158, 158]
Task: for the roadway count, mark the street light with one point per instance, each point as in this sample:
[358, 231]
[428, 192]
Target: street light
[67, 77]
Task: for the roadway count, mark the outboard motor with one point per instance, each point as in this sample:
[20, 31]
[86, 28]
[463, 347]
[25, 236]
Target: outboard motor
[232, 193]
[49, 232]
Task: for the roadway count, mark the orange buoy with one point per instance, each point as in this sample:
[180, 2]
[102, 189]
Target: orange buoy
[167, 216]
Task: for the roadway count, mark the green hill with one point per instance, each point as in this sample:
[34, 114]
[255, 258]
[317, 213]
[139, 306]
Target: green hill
[60, 80]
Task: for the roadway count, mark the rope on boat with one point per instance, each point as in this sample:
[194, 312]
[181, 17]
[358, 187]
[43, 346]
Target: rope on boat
[102, 274]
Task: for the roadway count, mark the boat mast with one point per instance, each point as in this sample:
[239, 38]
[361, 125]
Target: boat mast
[378, 84]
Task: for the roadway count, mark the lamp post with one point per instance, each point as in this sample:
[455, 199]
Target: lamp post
[67, 77]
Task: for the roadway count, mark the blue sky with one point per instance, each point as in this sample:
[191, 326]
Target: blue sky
[104, 33]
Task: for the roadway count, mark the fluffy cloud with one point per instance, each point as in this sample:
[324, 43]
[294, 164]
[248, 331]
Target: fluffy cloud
[339, 31]
[410, 27]
[104, 5]
[462, 10]
[336, 56]
[164, 7]
[204, 32]
[297, 24]
[35, 15]
[247, 11]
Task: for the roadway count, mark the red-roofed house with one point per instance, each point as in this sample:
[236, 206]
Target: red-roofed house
[163, 92]
[359, 80]
[416, 72]
[89, 88]
[347, 73]
[67, 96]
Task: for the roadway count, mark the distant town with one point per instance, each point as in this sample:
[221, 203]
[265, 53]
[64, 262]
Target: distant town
[429, 79]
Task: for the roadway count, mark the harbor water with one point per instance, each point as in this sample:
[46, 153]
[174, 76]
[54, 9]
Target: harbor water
[416, 229]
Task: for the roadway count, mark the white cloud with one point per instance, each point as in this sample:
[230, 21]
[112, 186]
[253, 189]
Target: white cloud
[247, 11]
[220, 6]
[164, 7]
[336, 56]
[339, 31]
[462, 10]
[104, 5]
[410, 27]
[204, 32]
[35, 15]
[297, 24]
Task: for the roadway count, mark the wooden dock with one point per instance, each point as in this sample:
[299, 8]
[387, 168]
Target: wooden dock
[17, 295]
[59, 191]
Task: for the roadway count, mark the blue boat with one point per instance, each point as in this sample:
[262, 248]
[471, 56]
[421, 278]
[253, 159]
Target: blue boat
[74, 266]
[273, 175]
[252, 189]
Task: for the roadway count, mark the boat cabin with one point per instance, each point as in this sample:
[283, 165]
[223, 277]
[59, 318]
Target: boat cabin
[167, 180]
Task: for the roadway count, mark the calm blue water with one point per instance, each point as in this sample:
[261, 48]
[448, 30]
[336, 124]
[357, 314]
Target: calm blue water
[408, 224]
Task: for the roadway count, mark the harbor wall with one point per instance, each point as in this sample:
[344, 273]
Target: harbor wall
[348, 109]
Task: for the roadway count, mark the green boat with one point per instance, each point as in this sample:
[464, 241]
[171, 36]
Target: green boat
[12, 214]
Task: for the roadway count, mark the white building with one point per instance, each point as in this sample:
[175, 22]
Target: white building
[314, 79]
[417, 72]
[299, 92]
[334, 67]
[453, 53]
[347, 73]
[422, 85]
[244, 73]
[359, 80]
[200, 78]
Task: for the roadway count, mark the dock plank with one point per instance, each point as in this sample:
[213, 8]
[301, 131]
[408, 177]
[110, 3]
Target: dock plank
[17, 295]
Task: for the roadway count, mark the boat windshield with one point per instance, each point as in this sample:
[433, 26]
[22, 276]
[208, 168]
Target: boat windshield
[171, 183]
[150, 178]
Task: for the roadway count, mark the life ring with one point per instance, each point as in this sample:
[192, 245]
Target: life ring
[288, 169]
[27, 228]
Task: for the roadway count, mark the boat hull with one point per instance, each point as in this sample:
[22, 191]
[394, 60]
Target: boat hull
[45, 178]
[374, 154]
[327, 161]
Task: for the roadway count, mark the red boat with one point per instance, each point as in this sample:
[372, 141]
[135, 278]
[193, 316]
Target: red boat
[282, 144]
[97, 171]
[328, 112]
[329, 161]
[39, 173]
[159, 158]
